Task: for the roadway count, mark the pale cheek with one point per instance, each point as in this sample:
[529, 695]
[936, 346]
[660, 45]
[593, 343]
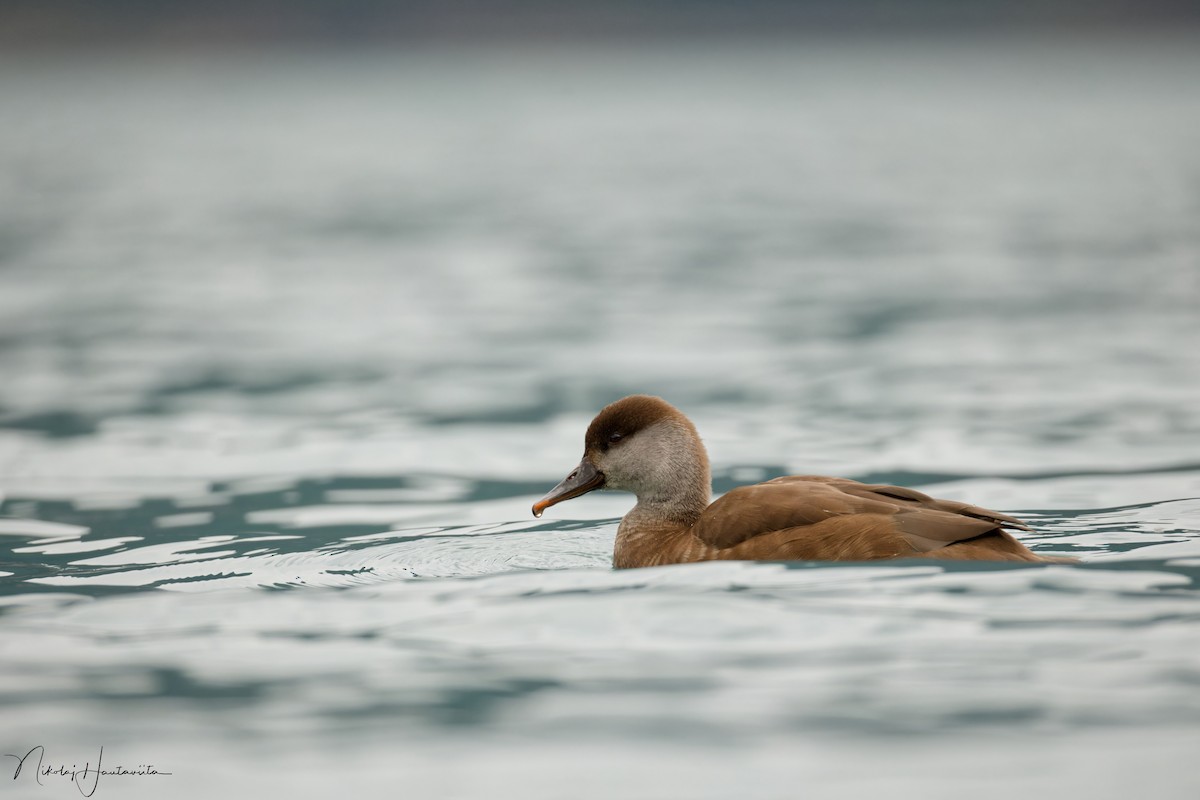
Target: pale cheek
[616, 475]
[621, 471]
[639, 467]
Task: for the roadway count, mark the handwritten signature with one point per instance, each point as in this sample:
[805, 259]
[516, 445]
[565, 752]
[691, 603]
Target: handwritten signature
[86, 780]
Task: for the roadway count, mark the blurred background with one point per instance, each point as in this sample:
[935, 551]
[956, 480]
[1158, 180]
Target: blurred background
[303, 304]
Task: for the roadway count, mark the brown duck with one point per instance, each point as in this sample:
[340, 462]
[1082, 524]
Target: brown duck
[644, 445]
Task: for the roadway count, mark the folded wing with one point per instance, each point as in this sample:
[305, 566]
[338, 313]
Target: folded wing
[801, 500]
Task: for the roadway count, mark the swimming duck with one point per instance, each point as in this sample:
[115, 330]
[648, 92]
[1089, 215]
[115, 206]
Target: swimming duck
[644, 445]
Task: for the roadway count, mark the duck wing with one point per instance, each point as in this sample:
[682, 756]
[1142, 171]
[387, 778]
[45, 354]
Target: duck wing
[797, 501]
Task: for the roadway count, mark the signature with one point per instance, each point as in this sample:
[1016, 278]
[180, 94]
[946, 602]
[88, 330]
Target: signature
[86, 780]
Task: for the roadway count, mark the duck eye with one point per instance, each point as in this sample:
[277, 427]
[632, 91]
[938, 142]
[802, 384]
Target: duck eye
[615, 437]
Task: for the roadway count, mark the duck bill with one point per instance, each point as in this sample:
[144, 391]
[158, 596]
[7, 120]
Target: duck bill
[582, 480]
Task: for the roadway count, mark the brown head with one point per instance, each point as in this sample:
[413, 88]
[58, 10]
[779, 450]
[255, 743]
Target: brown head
[644, 445]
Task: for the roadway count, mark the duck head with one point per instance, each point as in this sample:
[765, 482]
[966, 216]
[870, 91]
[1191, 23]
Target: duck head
[639, 444]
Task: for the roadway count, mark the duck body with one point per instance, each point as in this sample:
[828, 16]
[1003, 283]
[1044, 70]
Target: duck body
[644, 445]
[816, 518]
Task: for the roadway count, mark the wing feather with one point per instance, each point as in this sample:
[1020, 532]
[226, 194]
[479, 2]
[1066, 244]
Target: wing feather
[798, 501]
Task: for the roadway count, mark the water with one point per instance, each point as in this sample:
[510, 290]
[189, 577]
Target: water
[291, 341]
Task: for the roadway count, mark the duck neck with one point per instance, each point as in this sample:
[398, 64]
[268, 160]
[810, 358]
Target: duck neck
[661, 521]
[677, 490]
[658, 530]
[680, 508]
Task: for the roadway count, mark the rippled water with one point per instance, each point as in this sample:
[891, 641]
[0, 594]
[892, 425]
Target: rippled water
[290, 343]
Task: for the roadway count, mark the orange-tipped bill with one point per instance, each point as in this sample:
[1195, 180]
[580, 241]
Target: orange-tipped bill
[582, 480]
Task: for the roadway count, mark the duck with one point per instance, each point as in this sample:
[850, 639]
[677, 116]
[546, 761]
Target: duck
[644, 445]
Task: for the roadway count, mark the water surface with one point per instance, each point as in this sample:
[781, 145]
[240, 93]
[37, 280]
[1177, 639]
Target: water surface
[290, 342]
